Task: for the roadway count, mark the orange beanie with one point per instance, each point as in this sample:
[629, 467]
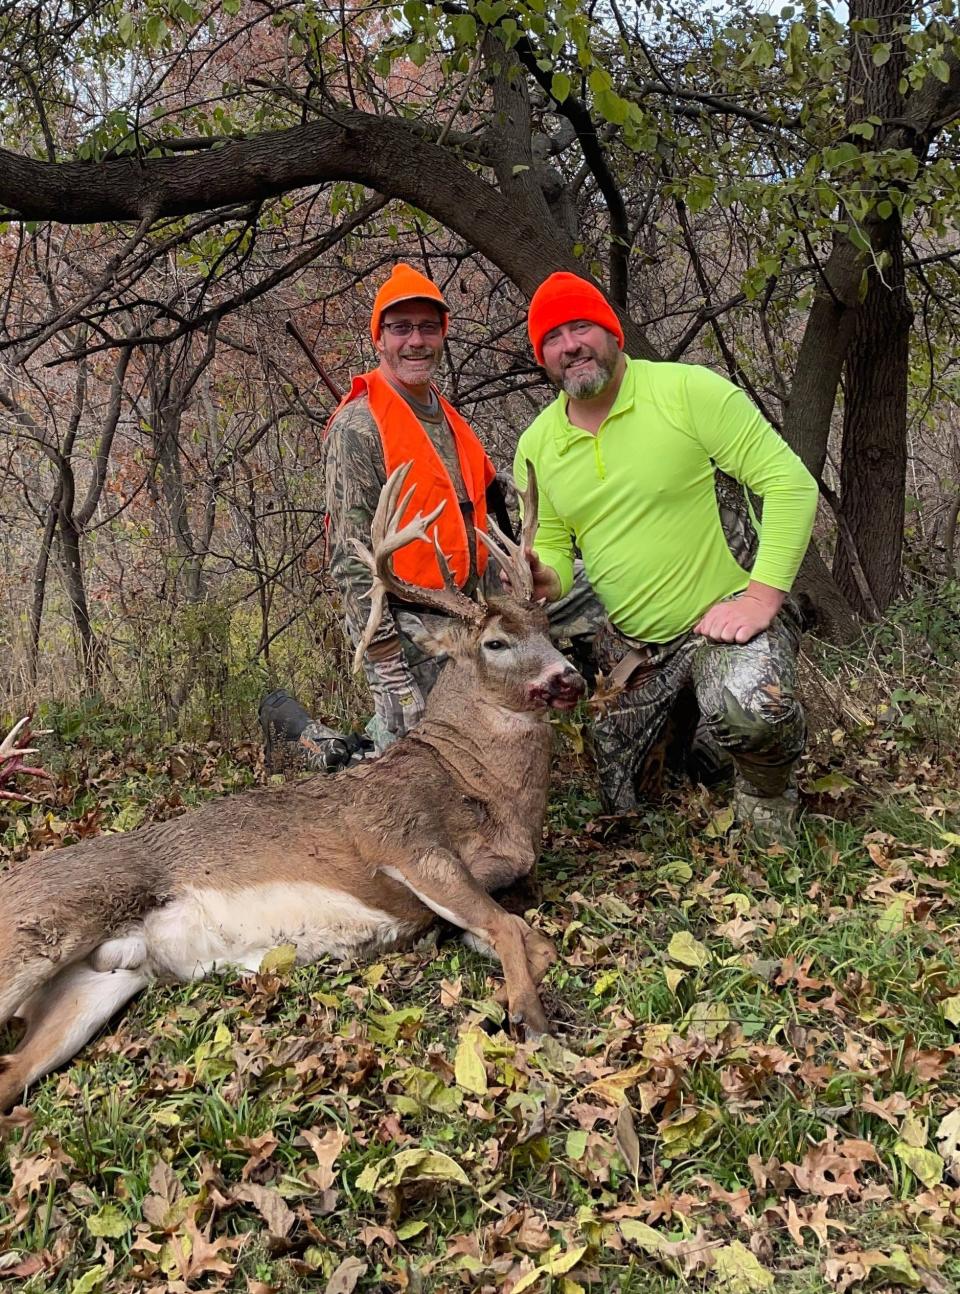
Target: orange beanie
[563, 298]
[405, 284]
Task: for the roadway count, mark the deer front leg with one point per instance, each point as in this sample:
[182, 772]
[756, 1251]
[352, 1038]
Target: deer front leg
[444, 885]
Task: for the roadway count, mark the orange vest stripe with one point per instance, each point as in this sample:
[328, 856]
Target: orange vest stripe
[404, 440]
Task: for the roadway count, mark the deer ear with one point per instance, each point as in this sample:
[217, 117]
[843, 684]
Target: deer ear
[442, 638]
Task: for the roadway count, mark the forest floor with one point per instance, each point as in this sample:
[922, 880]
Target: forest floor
[753, 1083]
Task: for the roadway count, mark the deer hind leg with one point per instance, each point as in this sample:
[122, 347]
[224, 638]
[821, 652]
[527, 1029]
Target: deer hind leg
[61, 1017]
[442, 883]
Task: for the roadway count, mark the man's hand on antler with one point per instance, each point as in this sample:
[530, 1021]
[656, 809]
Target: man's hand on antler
[13, 748]
[546, 581]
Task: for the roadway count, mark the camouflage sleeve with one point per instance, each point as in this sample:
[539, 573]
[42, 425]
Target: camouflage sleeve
[354, 476]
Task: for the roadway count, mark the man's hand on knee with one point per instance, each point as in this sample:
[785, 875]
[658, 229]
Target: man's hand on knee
[739, 619]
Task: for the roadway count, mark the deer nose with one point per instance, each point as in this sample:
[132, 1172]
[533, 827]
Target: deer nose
[562, 686]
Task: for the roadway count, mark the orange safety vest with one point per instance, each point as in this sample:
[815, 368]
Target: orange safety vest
[404, 439]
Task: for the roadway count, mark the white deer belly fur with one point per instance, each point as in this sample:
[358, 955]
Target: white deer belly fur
[206, 930]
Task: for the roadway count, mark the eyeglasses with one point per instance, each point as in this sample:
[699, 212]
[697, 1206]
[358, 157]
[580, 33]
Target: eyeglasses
[405, 329]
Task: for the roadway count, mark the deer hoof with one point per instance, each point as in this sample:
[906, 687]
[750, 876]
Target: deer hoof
[529, 1016]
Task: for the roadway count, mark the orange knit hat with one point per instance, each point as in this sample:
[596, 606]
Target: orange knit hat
[405, 284]
[561, 299]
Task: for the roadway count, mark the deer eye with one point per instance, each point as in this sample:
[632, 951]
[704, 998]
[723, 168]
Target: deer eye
[495, 644]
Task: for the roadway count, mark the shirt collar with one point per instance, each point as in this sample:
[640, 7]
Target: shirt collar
[567, 434]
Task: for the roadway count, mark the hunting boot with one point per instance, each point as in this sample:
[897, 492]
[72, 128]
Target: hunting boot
[771, 819]
[290, 735]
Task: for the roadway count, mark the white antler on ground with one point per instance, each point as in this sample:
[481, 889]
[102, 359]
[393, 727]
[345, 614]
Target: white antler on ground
[13, 749]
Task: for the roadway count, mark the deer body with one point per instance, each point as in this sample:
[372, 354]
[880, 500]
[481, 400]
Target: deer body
[347, 866]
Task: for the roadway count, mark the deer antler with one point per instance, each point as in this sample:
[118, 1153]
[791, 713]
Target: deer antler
[11, 760]
[387, 537]
[512, 557]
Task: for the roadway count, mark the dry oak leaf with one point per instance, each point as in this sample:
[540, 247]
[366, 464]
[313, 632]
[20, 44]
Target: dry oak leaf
[327, 1149]
[344, 1279]
[270, 1204]
[830, 1168]
[190, 1254]
[812, 1218]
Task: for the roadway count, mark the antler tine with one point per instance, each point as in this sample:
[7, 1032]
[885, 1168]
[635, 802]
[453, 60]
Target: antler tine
[510, 556]
[9, 743]
[531, 507]
[387, 537]
[12, 761]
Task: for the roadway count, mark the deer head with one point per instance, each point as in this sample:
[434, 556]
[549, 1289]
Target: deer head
[503, 640]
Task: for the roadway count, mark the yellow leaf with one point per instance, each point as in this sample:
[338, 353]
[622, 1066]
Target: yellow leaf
[687, 1131]
[280, 960]
[642, 1235]
[686, 950]
[468, 1068]
[924, 1164]
[674, 977]
[416, 1164]
[708, 1018]
[92, 1279]
[613, 1088]
[893, 917]
[950, 1006]
[738, 1271]
[913, 1131]
[555, 1267]
[720, 823]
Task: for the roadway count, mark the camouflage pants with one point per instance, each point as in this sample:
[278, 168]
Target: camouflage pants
[574, 619]
[698, 707]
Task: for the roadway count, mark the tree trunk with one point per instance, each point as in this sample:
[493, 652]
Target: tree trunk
[873, 463]
[873, 459]
[90, 654]
[40, 585]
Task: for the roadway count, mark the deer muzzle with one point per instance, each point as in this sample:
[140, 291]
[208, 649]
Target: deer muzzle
[559, 687]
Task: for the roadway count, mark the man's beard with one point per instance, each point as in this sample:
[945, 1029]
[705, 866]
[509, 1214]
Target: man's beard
[583, 386]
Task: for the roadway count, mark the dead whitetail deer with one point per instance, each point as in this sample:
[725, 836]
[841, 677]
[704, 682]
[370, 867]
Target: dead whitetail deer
[348, 865]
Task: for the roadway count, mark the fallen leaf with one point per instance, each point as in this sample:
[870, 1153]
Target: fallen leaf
[109, 1221]
[686, 950]
[627, 1142]
[738, 1271]
[564, 1262]
[417, 1164]
[345, 1277]
[613, 1088]
[686, 1130]
[468, 1067]
[924, 1164]
[90, 1280]
[279, 961]
[270, 1204]
[948, 1142]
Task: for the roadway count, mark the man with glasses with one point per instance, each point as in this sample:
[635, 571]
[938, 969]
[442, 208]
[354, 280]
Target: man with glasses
[392, 415]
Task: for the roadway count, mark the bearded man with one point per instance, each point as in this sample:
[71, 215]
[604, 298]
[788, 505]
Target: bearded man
[701, 639]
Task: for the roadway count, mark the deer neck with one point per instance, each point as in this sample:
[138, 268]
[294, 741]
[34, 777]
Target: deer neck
[496, 752]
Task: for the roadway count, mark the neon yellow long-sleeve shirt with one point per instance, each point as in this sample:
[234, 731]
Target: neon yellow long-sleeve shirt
[638, 498]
